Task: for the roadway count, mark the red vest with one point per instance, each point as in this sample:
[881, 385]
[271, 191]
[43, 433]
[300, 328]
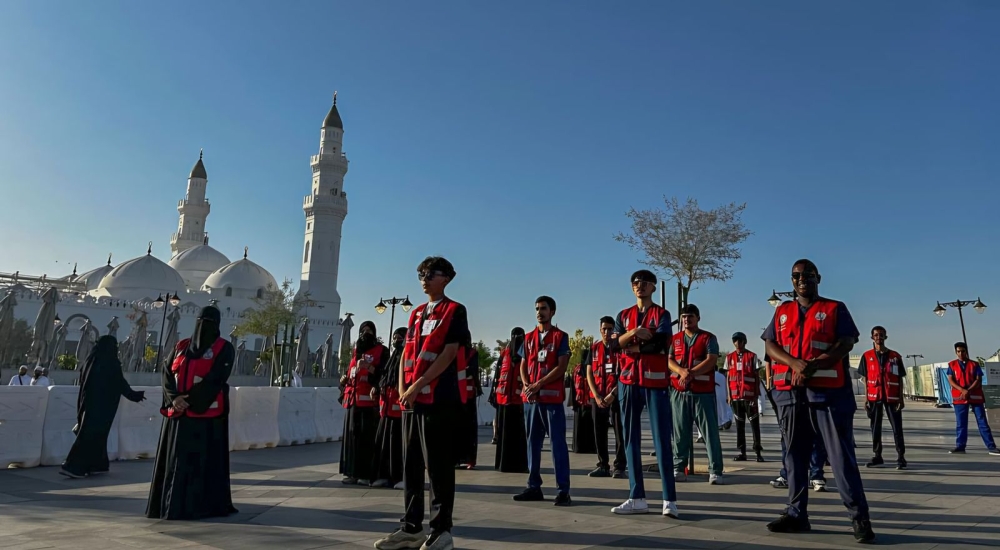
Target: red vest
[741, 372]
[188, 372]
[884, 381]
[646, 370]
[581, 387]
[508, 380]
[425, 340]
[543, 357]
[965, 378]
[389, 403]
[689, 358]
[807, 337]
[358, 391]
[603, 364]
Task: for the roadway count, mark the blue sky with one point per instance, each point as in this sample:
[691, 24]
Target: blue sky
[512, 137]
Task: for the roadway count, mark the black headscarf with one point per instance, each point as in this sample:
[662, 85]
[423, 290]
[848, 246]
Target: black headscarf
[515, 345]
[390, 377]
[206, 331]
[365, 342]
[103, 358]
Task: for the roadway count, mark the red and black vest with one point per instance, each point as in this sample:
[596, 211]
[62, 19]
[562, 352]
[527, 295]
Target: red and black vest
[884, 382]
[188, 372]
[389, 403]
[603, 365]
[806, 336]
[741, 373]
[964, 378]
[646, 370]
[542, 355]
[425, 340]
[689, 357]
[358, 391]
[508, 380]
[581, 388]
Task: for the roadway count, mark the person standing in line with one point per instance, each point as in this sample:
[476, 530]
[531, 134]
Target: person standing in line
[643, 335]
[543, 370]
[467, 439]
[883, 371]
[21, 378]
[693, 356]
[602, 378]
[809, 339]
[965, 377]
[359, 386]
[741, 375]
[583, 420]
[389, 436]
[512, 441]
[432, 390]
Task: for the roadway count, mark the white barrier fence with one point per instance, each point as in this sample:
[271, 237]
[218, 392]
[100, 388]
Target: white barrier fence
[36, 423]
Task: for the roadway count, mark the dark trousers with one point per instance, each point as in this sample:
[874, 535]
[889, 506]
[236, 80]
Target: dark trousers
[602, 418]
[428, 442]
[875, 413]
[802, 423]
[743, 410]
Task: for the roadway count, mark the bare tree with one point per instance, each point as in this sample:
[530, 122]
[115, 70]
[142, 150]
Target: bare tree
[686, 242]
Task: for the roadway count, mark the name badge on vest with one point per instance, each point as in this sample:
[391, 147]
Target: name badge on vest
[609, 368]
[739, 365]
[208, 354]
[428, 327]
[542, 354]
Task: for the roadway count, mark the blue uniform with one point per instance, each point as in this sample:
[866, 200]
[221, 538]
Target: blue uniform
[809, 413]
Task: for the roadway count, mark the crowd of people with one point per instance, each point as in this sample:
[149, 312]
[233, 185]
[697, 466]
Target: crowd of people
[411, 410]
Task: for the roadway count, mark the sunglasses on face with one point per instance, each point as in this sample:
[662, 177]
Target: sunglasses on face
[427, 275]
[640, 282]
[809, 276]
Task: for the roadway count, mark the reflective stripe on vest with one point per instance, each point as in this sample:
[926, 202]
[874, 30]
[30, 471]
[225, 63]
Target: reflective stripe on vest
[741, 375]
[425, 339]
[188, 372]
[509, 385]
[546, 350]
[644, 370]
[690, 357]
[965, 378]
[806, 336]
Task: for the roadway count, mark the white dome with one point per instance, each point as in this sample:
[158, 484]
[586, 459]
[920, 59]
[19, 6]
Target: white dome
[241, 278]
[197, 263]
[93, 277]
[142, 277]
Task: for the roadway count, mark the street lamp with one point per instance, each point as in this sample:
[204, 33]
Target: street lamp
[775, 299]
[380, 308]
[160, 302]
[915, 356]
[977, 305]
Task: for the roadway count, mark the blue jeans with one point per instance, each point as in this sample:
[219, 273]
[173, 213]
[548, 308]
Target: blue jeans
[962, 425]
[541, 419]
[633, 400]
[817, 459]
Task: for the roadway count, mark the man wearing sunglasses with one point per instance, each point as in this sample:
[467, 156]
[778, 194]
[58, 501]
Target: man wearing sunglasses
[644, 381]
[809, 339]
[883, 371]
[432, 389]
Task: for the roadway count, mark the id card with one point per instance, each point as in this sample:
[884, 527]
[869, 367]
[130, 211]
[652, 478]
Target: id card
[428, 327]
[609, 368]
[542, 354]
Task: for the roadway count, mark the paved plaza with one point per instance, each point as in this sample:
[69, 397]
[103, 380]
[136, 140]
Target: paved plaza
[292, 498]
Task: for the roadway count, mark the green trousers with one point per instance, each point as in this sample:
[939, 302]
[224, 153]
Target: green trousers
[689, 408]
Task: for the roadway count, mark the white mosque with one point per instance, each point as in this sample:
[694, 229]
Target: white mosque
[199, 274]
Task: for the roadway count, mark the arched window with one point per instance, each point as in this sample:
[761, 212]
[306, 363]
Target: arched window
[305, 258]
[260, 293]
[229, 291]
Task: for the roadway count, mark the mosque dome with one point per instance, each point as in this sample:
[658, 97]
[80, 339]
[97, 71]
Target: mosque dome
[240, 279]
[142, 277]
[197, 263]
[92, 278]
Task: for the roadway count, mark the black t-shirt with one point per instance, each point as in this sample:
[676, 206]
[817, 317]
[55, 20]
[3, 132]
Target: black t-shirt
[446, 392]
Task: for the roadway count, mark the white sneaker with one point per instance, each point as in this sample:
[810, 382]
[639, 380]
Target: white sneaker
[443, 542]
[679, 475]
[670, 509]
[631, 506]
[399, 486]
[400, 540]
[364, 482]
[715, 479]
[818, 485]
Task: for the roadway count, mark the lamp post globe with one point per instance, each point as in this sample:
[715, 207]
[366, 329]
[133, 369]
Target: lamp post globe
[979, 306]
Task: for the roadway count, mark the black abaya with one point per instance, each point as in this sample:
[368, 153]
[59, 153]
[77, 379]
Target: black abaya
[102, 384]
[467, 439]
[583, 431]
[389, 446]
[191, 473]
[512, 442]
[357, 453]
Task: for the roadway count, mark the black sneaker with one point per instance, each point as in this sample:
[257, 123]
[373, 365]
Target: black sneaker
[901, 464]
[562, 499]
[995, 452]
[957, 451]
[787, 524]
[875, 462]
[619, 474]
[529, 495]
[600, 472]
[760, 458]
[742, 457]
[863, 531]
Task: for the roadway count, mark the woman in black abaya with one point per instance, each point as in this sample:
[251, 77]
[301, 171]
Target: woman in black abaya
[102, 385]
[389, 437]
[357, 453]
[467, 438]
[512, 442]
[583, 422]
[191, 473]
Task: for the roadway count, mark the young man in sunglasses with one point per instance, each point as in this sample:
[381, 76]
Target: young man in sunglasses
[432, 389]
[809, 339]
[644, 381]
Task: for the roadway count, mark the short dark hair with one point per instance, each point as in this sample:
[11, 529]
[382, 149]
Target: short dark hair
[437, 263]
[962, 345]
[608, 319]
[691, 309]
[547, 300]
[644, 275]
[879, 327]
[807, 265]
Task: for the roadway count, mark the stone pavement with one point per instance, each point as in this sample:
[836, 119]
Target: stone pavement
[292, 498]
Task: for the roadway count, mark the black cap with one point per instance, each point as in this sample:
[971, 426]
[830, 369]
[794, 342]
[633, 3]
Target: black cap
[644, 275]
[691, 309]
[739, 336]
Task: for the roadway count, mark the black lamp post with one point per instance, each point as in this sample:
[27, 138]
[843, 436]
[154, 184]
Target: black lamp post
[161, 302]
[380, 308]
[775, 299]
[977, 305]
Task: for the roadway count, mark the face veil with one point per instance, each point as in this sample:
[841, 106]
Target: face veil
[206, 330]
